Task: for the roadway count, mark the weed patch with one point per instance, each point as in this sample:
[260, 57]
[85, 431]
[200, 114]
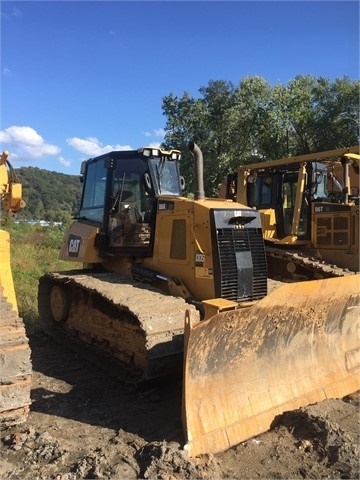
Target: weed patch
[34, 252]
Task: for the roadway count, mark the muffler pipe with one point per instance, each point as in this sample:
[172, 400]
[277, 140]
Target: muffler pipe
[199, 171]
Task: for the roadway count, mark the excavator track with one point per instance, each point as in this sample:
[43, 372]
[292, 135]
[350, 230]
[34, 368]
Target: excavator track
[16, 368]
[133, 329]
[300, 266]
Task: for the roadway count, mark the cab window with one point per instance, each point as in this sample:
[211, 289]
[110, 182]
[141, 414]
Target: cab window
[93, 201]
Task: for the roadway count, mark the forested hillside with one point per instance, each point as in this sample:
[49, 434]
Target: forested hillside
[49, 195]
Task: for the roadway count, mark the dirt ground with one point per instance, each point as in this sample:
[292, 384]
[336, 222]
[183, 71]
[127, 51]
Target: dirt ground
[84, 424]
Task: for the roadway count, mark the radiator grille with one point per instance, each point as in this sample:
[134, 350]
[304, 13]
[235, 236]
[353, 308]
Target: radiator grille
[242, 282]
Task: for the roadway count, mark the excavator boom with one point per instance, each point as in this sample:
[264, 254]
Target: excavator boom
[243, 368]
[15, 361]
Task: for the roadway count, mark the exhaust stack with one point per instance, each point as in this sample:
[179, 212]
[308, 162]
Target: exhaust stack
[199, 171]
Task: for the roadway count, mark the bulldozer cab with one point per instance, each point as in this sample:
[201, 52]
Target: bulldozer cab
[310, 201]
[133, 220]
[288, 191]
[120, 195]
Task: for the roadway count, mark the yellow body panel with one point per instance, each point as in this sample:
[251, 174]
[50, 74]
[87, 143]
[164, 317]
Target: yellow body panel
[11, 202]
[16, 369]
[78, 245]
[6, 278]
[335, 237]
[268, 223]
[182, 246]
[177, 254]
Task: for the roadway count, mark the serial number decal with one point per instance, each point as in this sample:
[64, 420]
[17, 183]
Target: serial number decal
[74, 245]
[165, 206]
[199, 259]
[331, 208]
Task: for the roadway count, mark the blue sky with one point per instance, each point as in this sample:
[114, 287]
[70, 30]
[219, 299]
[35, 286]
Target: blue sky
[82, 78]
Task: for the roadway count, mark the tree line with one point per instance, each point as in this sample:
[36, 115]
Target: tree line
[256, 121]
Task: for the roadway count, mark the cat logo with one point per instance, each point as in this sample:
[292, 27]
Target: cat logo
[74, 245]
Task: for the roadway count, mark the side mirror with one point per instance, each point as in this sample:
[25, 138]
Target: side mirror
[147, 181]
[182, 182]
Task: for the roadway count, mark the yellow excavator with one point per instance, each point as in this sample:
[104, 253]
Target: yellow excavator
[172, 284]
[309, 207]
[15, 356]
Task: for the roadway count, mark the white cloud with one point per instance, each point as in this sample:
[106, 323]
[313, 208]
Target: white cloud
[23, 135]
[157, 132]
[65, 163]
[26, 140]
[92, 146]
[38, 151]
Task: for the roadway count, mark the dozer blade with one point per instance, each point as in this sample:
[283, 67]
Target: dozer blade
[296, 347]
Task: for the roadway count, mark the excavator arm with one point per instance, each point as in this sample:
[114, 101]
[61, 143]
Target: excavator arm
[11, 203]
[16, 369]
[11, 188]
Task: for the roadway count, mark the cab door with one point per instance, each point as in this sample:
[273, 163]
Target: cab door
[287, 207]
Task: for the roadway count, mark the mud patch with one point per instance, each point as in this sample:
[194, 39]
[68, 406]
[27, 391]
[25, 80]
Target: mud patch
[83, 424]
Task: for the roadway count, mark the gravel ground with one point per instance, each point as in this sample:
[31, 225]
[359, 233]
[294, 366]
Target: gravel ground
[84, 424]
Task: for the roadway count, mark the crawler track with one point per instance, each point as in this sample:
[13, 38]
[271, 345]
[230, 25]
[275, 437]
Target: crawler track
[15, 367]
[135, 328]
[301, 265]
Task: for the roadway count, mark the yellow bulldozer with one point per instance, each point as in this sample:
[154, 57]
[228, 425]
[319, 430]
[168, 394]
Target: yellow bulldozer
[309, 207]
[15, 356]
[172, 285]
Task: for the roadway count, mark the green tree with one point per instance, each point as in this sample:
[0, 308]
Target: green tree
[256, 121]
[248, 119]
[204, 121]
[321, 115]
